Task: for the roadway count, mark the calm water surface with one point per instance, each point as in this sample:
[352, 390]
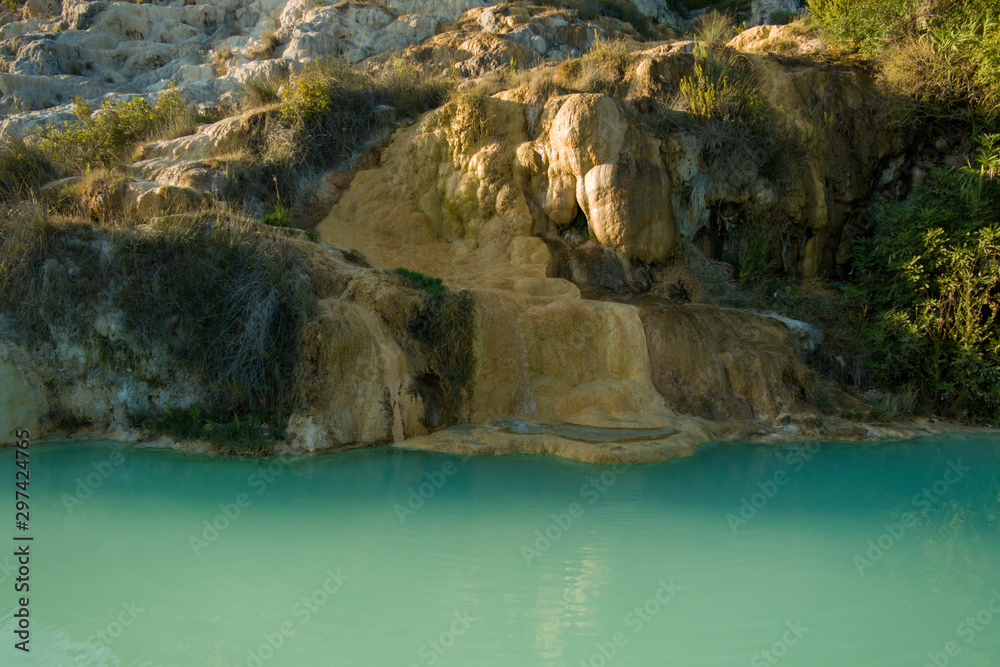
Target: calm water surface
[810, 555]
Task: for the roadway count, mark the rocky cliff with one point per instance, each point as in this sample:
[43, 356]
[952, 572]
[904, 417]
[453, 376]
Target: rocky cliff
[569, 186]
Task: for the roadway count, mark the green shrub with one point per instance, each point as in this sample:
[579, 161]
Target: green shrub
[280, 217]
[591, 10]
[259, 91]
[601, 70]
[751, 249]
[928, 289]
[433, 286]
[724, 86]
[937, 52]
[870, 24]
[782, 17]
[108, 137]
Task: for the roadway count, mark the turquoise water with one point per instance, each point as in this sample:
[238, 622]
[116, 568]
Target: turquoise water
[390, 557]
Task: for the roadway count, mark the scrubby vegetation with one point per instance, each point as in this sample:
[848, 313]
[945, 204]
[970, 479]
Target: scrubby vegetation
[333, 112]
[24, 170]
[109, 136]
[942, 54]
[221, 298]
[928, 289]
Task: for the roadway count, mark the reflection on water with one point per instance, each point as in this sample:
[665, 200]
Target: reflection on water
[312, 562]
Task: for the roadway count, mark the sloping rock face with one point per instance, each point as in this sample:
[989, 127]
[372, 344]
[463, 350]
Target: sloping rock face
[725, 364]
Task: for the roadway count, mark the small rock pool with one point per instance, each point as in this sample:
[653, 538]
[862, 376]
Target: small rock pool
[814, 554]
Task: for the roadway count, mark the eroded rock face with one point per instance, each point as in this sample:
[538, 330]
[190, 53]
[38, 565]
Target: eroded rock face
[484, 188]
[21, 402]
[724, 364]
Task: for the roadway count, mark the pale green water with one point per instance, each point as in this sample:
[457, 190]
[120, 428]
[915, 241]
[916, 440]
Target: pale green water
[728, 596]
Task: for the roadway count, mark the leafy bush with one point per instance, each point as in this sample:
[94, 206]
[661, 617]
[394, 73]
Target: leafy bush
[724, 86]
[871, 24]
[929, 286]
[279, 217]
[781, 17]
[938, 52]
[590, 10]
[108, 137]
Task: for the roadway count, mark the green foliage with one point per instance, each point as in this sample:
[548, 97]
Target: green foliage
[591, 10]
[937, 52]
[781, 17]
[871, 24]
[251, 435]
[261, 90]
[356, 257]
[433, 286]
[724, 86]
[929, 290]
[280, 217]
[108, 137]
[23, 170]
[751, 250]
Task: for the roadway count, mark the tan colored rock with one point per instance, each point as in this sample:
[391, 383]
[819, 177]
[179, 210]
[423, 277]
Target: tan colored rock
[358, 387]
[588, 130]
[725, 364]
[563, 359]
